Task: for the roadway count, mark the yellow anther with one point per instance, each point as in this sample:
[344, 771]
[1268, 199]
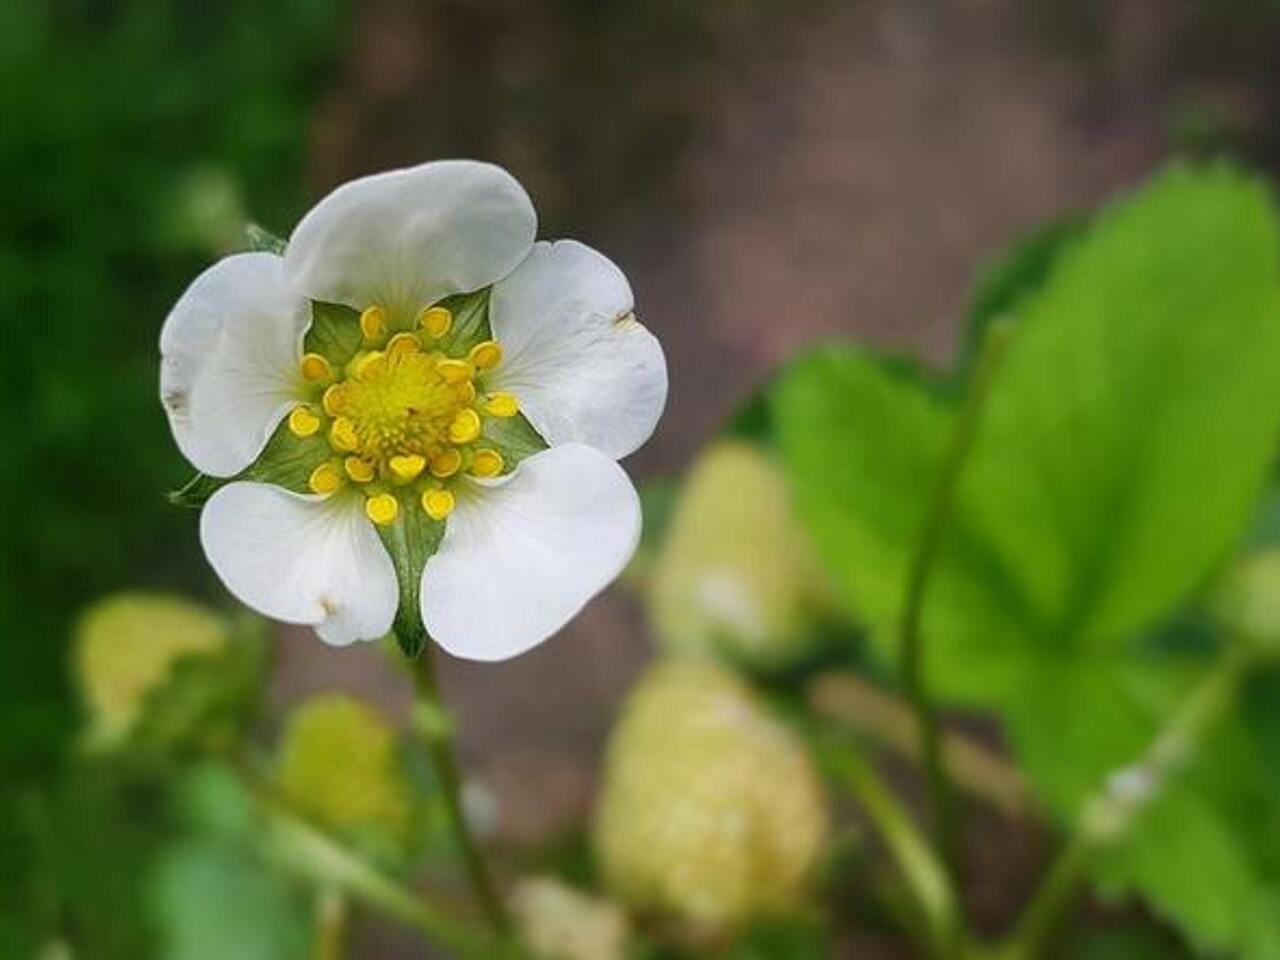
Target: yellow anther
[333, 399]
[343, 435]
[437, 321]
[408, 466]
[316, 369]
[324, 479]
[467, 393]
[382, 509]
[437, 503]
[303, 422]
[370, 365]
[486, 355]
[403, 344]
[455, 371]
[446, 463]
[373, 323]
[501, 405]
[358, 469]
[465, 426]
[486, 463]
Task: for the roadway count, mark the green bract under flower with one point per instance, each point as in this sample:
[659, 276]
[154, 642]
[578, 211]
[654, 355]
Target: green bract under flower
[413, 415]
[711, 813]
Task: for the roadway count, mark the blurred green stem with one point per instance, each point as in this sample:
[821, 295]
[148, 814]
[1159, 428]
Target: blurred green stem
[924, 874]
[432, 721]
[911, 642]
[330, 920]
[1107, 816]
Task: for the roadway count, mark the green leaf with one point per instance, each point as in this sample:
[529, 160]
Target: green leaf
[286, 461]
[1126, 438]
[410, 540]
[334, 333]
[262, 240]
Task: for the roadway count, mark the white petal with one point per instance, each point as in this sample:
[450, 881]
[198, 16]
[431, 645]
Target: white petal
[229, 353]
[522, 555]
[302, 559]
[409, 237]
[582, 366]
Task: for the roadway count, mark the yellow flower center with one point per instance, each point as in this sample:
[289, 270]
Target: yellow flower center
[403, 413]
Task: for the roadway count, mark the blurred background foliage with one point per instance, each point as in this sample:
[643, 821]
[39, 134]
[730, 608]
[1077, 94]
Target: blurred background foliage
[137, 137]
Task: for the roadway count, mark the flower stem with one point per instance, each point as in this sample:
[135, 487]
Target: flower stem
[329, 915]
[911, 642]
[432, 721]
[1108, 816]
[924, 874]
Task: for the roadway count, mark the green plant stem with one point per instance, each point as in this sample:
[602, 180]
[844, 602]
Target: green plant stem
[330, 921]
[432, 722]
[911, 642]
[1110, 813]
[924, 874]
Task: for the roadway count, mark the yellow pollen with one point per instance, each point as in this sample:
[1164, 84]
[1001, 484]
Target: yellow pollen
[401, 344]
[358, 470]
[447, 463]
[436, 321]
[372, 364]
[501, 405]
[407, 467]
[343, 435]
[467, 393]
[332, 399]
[324, 479]
[316, 369]
[437, 503]
[303, 422]
[486, 463]
[373, 323]
[382, 509]
[465, 426]
[486, 355]
[455, 371]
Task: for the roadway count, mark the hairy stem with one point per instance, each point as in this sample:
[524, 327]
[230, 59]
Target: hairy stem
[1109, 815]
[911, 642]
[431, 721]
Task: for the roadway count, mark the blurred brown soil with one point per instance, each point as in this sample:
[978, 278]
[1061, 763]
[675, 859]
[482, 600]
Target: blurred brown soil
[813, 169]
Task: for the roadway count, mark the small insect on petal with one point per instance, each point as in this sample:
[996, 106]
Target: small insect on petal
[437, 503]
[303, 423]
[382, 509]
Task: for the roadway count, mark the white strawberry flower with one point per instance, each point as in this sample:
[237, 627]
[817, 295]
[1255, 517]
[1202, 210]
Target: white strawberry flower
[413, 415]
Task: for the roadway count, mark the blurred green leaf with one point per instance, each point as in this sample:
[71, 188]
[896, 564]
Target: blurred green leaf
[212, 901]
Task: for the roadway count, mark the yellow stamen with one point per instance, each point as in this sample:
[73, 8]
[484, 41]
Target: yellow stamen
[437, 503]
[343, 435]
[455, 371]
[382, 509]
[373, 323]
[408, 467]
[467, 393]
[486, 463]
[446, 463]
[437, 321]
[465, 426]
[501, 405]
[303, 422]
[486, 355]
[370, 365]
[358, 470]
[316, 369]
[333, 399]
[403, 344]
[324, 479]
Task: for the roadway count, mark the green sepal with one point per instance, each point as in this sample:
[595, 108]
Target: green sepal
[334, 333]
[287, 461]
[470, 322]
[262, 240]
[513, 437]
[411, 541]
